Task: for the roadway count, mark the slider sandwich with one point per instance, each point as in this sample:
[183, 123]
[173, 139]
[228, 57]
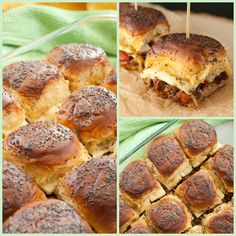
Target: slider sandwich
[186, 70]
[139, 29]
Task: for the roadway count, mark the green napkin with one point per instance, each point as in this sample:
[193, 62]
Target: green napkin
[133, 131]
[25, 24]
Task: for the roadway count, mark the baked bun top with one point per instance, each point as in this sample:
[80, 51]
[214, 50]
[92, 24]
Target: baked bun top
[8, 102]
[166, 154]
[89, 107]
[195, 49]
[136, 179]
[43, 143]
[195, 136]
[140, 21]
[198, 191]
[222, 164]
[50, 216]
[126, 212]
[29, 78]
[18, 190]
[168, 215]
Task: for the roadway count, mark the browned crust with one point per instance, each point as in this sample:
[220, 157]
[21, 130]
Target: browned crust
[42, 143]
[222, 222]
[198, 191]
[91, 109]
[168, 216]
[166, 154]
[140, 21]
[92, 187]
[136, 179]
[8, 102]
[50, 216]
[196, 136]
[197, 48]
[29, 78]
[126, 212]
[222, 164]
[18, 190]
[74, 58]
[139, 229]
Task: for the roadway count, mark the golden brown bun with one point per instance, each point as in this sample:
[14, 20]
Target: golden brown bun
[18, 190]
[169, 215]
[190, 61]
[38, 86]
[91, 189]
[127, 215]
[197, 229]
[198, 139]
[110, 81]
[140, 27]
[44, 150]
[81, 64]
[138, 186]
[91, 113]
[13, 114]
[50, 216]
[199, 192]
[168, 161]
[220, 221]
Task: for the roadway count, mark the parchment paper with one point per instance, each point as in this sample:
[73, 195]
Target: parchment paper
[136, 101]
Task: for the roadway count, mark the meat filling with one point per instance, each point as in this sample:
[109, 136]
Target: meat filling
[164, 90]
[128, 61]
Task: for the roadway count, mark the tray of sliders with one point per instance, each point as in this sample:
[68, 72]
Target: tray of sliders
[59, 139]
[183, 182]
[169, 72]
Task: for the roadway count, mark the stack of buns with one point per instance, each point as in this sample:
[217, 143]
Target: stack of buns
[183, 185]
[59, 130]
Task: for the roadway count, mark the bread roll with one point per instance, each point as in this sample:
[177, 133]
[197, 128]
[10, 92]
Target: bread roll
[91, 113]
[50, 216]
[168, 161]
[138, 186]
[110, 81]
[81, 64]
[197, 229]
[199, 193]
[186, 70]
[45, 151]
[18, 189]
[38, 86]
[13, 114]
[198, 139]
[91, 189]
[169, 215]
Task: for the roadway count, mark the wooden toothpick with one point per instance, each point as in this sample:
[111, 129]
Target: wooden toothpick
[188, 20]
[136, 6]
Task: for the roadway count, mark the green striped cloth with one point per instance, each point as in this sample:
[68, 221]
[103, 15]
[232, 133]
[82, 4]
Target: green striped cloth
[25, 24]
[134, 131]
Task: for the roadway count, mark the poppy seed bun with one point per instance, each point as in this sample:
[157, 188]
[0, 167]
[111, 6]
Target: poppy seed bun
[38, 86]
[45, 151]
[50, 216]
[13, 114]
[91, 114]
[81, 64]
[18, 190]
[91, 190]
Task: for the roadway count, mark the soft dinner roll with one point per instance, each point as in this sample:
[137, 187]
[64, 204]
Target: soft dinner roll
[186, 70]
[168, 161]
[13, 114]
[18, 190]
[197, 229]
[50, 216]
[139, 29]
[44, 150]
[81, 64]
[169, 215]
[91, 189]
[221, 167]
[127, 215]
[220, 221]
[38, 86]
[110, 81]
[198, 139]
[138, 186]
[199, 192]
[91, 113]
